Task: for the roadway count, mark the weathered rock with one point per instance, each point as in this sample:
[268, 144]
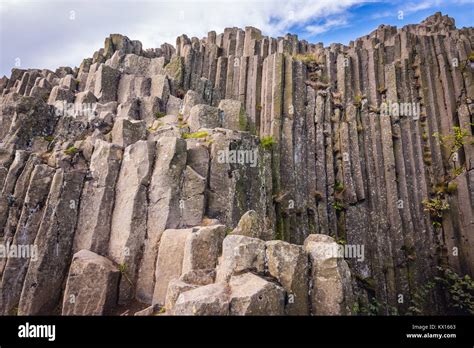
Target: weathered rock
[106, 83]
[45, 277]
[164, 208]
[331, 278]
[202, 248]
[175, 288]
[97, 201]
[212, 299]
[288, 264]
[199, 276]
[127, 132]
[15, 269]
[232, 114]
[128, 228]
[160, 87]
[91, 287]
[203, 116]
[169, 264]
[174, 105]
[192, 198]
[252, 295]
[60, 94]
[239, 254]
[191, 99]
[250, 225]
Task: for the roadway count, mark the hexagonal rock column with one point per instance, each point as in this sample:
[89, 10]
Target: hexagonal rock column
[203, 116]
[330, 277]
[233, 115]
[92, 285]
[169, 262]
[288, 263]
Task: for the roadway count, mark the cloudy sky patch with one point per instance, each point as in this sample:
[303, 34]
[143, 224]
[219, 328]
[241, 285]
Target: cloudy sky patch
[52, 33]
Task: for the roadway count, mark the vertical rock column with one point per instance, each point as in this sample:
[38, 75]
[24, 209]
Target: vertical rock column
[44, 279]
[129, 218]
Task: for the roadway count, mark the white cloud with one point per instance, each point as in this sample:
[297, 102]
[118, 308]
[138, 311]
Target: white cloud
[329, 24]
[42, 34]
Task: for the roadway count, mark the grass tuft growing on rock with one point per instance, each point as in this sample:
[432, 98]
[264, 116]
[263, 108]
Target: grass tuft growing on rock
[71, 151]
[159, 114]
[267, 142]
[195, 135]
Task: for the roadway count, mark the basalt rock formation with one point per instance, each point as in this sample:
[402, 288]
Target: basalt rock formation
[213, 177]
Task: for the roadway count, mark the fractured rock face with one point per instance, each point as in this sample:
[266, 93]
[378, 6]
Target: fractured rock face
[252, 295]
[192, 202]
[44, 279]
[128, 227]
[106, 83]
[164, 207]
[239, 254]
[203, 116]
[270, 138]
[91, 287]
[232, 114]
[288, 263]
[98, 196]
[15, 269]
[331, 279]
[212, 299]
[169, 264]
[202, 248]
[127, 132]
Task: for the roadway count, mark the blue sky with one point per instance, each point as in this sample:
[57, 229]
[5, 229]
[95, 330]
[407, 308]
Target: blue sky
[52, 33]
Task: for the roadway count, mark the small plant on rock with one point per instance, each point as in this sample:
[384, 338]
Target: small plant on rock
[338, 205]
[195, 135]
[267, 142]
[159, 114]
[435, 207]
[71, 151]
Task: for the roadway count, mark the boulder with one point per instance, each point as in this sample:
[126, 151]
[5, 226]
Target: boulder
[250, 225]
[175, 288]
[91, 286]
[212, 299]
[239, 254]
[199, 276]
[173, 105]
[252, 295]
[288, 264]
